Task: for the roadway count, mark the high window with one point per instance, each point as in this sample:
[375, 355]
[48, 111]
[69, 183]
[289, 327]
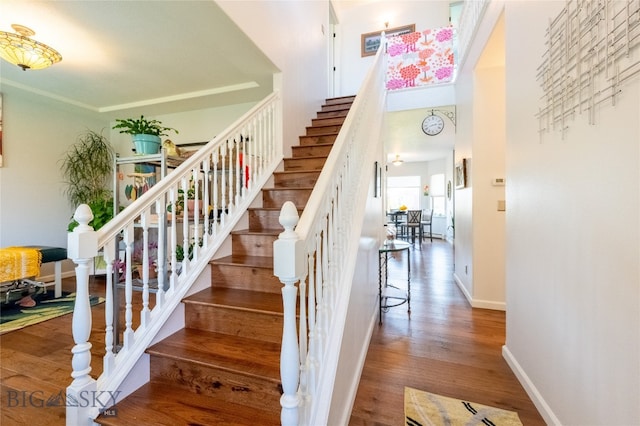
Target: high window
[436, 192]
[403, 190]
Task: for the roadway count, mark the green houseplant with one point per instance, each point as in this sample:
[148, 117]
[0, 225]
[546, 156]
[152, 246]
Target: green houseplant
[86, 169]
[144, 133]
[190, 197]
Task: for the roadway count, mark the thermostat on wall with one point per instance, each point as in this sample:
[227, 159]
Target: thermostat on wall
[497, 182]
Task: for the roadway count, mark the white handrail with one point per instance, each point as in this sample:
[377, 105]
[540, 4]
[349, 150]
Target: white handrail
[226, 175]
[470, 18]
[323, 248]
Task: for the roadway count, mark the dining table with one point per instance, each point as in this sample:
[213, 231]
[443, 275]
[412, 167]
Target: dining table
[397, 217]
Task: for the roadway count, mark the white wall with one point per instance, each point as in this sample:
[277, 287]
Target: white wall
[366, 17]
[488, 266]
[463, 254]
[36, 134]
[480, 141]
[573, 280]
[295, 36]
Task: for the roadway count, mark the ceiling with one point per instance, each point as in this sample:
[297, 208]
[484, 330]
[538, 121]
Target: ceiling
[122, 58]
[406, 139]
[160, 56]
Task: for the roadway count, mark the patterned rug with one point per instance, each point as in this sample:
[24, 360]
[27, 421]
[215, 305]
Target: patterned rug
[14, 317]
[424, 408]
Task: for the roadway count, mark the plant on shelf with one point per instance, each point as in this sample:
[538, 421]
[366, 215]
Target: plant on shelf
[86, 169]
[190, 196]
[142, 126]
[137, 257]
[144, 133]
[180, 250]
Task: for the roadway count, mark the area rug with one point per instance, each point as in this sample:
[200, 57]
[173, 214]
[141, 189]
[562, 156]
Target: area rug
[14, 317]
[424, 408]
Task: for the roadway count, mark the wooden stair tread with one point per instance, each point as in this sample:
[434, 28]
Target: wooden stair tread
[251, 261]
[270, 209]
[297, 188]
[260, 232]
[254, 301]
[163, 404]
[240, 355]
[322, 144]
[293, 172]
[309, 157]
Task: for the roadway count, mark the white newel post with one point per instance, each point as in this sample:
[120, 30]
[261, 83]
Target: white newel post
[288, 266]
[82, 247]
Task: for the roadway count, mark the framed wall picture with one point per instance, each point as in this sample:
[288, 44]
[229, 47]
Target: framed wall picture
[461, 174]
[370, 42]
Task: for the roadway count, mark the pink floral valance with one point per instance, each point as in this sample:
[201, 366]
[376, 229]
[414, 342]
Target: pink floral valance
[420, 58]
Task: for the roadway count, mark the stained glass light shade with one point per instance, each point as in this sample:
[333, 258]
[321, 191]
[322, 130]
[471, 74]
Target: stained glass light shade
[24, 52]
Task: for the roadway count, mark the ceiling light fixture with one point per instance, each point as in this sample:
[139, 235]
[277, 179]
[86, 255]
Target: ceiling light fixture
[397, 161]
[24, 52]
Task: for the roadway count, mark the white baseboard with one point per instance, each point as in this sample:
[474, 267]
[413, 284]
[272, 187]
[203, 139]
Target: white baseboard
[462, 288]
[489, 304]
[537, 399]
[475, 303]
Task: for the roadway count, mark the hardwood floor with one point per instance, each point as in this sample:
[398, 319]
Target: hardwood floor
[445, 347]
[35, 364]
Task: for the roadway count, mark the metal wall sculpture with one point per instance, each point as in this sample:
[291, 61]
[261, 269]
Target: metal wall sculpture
[589, 57]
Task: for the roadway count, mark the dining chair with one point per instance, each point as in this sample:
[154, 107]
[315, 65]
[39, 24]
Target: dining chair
[427, 219]
[414, 224]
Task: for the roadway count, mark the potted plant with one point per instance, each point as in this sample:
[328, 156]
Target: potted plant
[144, 133]
[190, 197]
[86, 169]
[137, 258]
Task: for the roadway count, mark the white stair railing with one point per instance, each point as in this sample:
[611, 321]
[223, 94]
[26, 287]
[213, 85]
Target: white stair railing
[320, 256]
[470, 17]
[226, 174]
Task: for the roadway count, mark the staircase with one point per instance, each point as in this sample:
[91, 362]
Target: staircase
[224, 366]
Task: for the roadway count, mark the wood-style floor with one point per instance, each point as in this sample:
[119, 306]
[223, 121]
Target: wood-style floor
[445, 347]
[35, 364]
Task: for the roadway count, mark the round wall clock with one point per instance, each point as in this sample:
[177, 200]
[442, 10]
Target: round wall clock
[432, 124]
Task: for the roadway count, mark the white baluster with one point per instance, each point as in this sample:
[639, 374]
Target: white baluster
[109, 358]
[206, 190]
[223, 184]
[185, 226]
[82, 248]
[216, 195]
[145, 312]
[237, 180]
[303, 340]
[173, 240]
[161, 260]
[128, 288]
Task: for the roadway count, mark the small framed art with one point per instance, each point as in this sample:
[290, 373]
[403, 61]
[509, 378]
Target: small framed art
[370, 42]
[461, 174]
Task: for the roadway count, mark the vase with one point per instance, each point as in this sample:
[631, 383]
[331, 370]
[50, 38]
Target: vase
[146, 144]
[191, 205]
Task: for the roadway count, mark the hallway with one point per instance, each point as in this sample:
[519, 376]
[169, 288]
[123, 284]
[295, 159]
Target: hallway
[445, 347]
